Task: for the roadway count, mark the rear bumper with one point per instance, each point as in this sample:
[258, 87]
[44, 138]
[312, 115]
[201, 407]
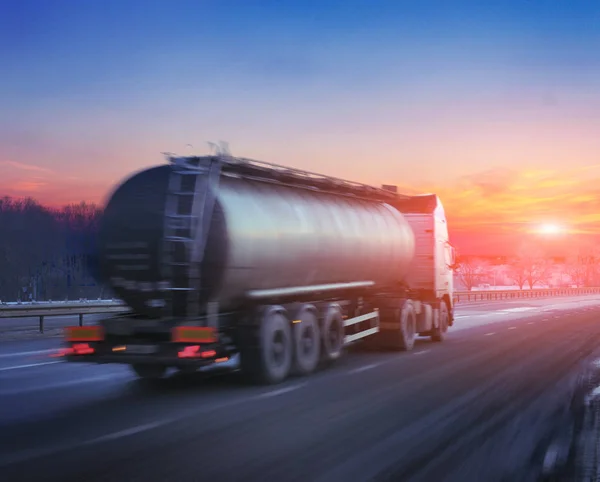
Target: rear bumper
[141, 360]
[169, 354]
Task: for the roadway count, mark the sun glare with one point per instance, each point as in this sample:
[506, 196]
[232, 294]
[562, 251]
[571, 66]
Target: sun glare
[550, 229]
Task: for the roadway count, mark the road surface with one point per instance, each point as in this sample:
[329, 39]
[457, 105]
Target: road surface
[485, 405]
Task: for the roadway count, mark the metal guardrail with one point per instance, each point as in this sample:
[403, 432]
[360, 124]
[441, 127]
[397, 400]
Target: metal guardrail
[46, 309]
[493, 295]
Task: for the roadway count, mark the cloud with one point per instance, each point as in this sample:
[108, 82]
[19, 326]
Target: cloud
[491, 182]
[503, 200]
[29, 186]
[494, 212]
[56, 193]
[24, 167]
[21, 180]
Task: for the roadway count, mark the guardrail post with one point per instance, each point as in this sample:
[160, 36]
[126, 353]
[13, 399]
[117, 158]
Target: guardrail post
[80, 319]
[41, 323]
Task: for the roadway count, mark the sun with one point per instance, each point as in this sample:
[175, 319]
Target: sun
[550, 229]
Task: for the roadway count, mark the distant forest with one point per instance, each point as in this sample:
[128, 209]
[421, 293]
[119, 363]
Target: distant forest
[47, 254]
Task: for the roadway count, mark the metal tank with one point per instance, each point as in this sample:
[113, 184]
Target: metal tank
[263, 236]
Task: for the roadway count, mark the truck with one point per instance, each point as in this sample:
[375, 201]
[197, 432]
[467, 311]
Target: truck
[222, 258]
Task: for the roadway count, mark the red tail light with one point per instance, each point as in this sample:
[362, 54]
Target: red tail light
[83, 349]
[75, 349]
[189, 352]
[193, 351]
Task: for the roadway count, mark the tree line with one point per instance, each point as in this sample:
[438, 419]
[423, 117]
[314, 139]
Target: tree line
[529, 269]
[47, 253]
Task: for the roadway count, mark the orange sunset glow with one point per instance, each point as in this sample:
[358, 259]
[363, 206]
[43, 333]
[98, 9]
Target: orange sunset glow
[488, 208]
[499, 119]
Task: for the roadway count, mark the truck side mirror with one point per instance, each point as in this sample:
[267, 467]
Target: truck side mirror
[452, 255]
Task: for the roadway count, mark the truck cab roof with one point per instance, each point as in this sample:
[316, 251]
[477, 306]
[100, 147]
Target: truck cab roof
[421, 204]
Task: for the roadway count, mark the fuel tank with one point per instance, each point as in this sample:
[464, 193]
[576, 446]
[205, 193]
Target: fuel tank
[262, 236]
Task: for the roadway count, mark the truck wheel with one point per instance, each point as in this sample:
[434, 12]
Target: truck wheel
[307, 341]
[407, 329]
[267, 358]
[439, 332]
[332, 334]
[149, 372]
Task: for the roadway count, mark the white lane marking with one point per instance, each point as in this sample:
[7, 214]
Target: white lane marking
[26, 455]
[29, 365]
[69, 383]
[421, 352]
[512, 327]
[531, 323]
[124, 433]
[519, 309]
[281, 391]
[490, 334]
[545, 319]
[28, 353]
[364, 368]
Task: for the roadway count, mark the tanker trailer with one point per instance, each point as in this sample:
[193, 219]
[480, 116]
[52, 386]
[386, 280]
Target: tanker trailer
[279, 268]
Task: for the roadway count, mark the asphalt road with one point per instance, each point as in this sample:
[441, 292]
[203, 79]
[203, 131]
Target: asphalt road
[485, 405]
[12, 329]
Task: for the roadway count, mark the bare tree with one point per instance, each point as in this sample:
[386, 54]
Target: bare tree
[29, 236]
[529, 267]
[79, 223]
[583, 268]
[576, 270]
[517, 273]
[470, 271]
[45, 253]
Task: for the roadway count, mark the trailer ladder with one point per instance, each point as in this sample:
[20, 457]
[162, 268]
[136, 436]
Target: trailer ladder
[189, 206]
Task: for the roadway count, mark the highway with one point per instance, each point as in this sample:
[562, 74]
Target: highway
[484, 405]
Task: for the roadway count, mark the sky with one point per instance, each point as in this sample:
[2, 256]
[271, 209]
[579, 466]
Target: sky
[494, 105]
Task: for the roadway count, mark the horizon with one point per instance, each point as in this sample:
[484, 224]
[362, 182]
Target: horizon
[485, 245]
[493, 108]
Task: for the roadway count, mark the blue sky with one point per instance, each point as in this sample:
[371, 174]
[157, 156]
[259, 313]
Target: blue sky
[424, 94]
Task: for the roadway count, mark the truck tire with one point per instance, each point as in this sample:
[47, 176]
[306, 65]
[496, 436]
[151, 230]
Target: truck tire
[332, 334]
[408, 326]
[267, 349]
[149, 372]
[439, 332]
[307, 341]
[402, 316]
